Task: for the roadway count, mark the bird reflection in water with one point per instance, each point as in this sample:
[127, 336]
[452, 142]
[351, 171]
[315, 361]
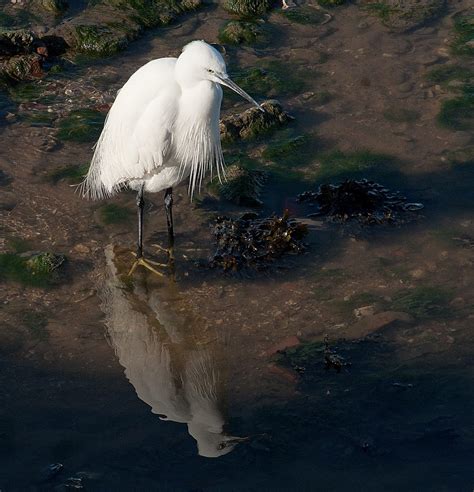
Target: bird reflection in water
[167, 357]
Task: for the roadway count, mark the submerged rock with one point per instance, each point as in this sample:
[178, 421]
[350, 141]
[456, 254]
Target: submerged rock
[241, 32]
[242, 186]
[254, 122]
[247, 8]
[121, 21]
[402, 15]
[365, 201]
[253, 242]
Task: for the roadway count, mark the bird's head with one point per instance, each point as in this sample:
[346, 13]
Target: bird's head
[200, 61]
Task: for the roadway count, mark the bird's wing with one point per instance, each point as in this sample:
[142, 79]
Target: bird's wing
[136, 136]
[153, 132]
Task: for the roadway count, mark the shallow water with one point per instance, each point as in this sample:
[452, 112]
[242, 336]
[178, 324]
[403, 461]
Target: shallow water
[181, 386]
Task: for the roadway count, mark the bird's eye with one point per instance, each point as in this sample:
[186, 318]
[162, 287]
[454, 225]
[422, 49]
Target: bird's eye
[210, 70]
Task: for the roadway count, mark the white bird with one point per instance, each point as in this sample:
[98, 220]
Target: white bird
[163, 128]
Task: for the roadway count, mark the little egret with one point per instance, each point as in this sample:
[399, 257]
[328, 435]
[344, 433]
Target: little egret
[163, 128]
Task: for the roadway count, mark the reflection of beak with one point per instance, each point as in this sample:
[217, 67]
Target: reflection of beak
[232, 85]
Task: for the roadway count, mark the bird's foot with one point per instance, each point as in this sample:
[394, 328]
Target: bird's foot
[169, 251]
[148, 264]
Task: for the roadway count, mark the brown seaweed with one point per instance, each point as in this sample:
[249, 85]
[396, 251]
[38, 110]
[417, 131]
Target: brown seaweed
[364, 201]
[253, 242]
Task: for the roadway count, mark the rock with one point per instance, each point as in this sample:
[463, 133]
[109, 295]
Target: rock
[53, 6]
[8, 200]
[247, 8]
[372, 323]
[253, 122]
[403, 15]
[240, 32]
[121, 21]
[23, 67]
[364, 311]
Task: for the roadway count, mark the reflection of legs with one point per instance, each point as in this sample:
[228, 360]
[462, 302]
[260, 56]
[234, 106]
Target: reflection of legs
[169, 221]
[139, 259]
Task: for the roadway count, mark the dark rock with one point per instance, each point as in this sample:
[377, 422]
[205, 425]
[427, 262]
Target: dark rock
[253, 122]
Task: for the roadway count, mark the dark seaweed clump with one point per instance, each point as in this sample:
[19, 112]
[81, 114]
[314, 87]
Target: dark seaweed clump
[253, 242]
[362, 200]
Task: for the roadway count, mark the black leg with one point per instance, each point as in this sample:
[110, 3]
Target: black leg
[140, 205]
[169, 221]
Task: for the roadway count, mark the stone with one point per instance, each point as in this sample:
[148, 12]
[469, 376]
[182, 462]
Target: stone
[364, 311]
[253, 122]
[8, 201]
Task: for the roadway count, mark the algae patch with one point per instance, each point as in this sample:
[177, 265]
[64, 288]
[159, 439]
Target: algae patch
[423, 302]
[114, 214]
[82, 125]
[33, 269]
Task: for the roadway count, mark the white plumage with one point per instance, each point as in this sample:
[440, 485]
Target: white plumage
[163, 125]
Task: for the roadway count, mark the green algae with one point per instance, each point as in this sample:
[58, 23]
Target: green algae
[81, 125]
[304, 15]
[464, 35]
[287, 153]
[72, 174]
[40, 118]
[447, 73]
[111, 214]
[403, 15]
[458, 113]
[247, 8]
[273, 78]
[380, 10]
[36, 270]
[100, 41]
[241, 32]
[30, 92]
[337, 164]
[242, 186]
[423, 302]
